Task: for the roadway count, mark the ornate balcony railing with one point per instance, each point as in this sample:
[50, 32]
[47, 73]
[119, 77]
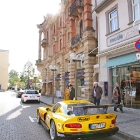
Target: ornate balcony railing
[75, 39]
[75, 4]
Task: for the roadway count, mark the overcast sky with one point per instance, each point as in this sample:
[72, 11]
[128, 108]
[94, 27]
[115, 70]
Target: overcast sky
[18, 30]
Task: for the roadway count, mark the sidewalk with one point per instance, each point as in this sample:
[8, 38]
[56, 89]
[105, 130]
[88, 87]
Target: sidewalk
[128, 122]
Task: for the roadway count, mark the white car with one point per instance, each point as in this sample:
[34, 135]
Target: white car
[30, 95]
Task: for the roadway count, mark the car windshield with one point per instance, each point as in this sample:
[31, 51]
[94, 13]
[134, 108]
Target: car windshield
[80, 109]
[31, 92]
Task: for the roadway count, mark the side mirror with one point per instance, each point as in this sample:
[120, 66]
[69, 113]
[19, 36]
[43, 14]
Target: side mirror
[48, 109]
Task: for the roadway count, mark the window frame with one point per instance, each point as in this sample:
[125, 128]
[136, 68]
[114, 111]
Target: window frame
[113, 19]
[107, 19]
[133, 5]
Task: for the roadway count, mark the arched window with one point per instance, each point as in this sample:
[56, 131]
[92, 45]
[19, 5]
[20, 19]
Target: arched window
[81, 28]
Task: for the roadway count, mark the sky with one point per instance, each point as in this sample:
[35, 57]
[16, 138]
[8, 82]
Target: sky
[18, 30]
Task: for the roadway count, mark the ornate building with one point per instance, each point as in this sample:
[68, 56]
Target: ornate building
[70, 31]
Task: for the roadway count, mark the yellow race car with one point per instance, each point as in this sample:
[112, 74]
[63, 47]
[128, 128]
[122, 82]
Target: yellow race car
[77, 119]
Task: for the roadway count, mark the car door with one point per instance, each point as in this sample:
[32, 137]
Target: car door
[51, 114]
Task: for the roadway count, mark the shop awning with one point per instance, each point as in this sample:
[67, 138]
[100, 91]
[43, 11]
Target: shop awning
[129, 58]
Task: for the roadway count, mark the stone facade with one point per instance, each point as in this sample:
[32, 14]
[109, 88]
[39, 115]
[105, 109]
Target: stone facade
[70, 31]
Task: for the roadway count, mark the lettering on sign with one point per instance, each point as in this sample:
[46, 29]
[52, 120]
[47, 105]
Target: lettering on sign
[123, 35]
[82, 119]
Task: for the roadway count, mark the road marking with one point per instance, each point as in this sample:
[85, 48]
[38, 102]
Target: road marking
[32, 119]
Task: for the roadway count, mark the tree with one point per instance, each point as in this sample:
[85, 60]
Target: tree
[13, 77]
[28, 72]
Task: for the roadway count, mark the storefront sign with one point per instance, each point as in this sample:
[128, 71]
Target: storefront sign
[123, 35]
[137, 45]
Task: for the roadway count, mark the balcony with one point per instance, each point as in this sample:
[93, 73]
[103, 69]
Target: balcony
[75, 39]
[39, 62]
[44, 42]
[76, 5]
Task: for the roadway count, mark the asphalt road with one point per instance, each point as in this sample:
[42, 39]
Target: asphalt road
[18, 121]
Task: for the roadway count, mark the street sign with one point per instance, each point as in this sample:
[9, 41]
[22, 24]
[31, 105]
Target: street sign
[137, 45]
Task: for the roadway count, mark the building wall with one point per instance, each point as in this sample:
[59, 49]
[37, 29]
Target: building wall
[4, 64]
[71, 42]
[110, 49]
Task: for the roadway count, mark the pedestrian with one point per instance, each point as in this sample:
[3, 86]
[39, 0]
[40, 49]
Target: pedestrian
[72, 92]
[67, 93]
[97, 92]
[117, 97]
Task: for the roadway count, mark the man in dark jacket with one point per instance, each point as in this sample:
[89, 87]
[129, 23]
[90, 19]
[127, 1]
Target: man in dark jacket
[97, 92]
[72, 92]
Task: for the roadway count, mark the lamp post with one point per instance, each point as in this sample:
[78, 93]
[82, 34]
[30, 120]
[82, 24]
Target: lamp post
[53, 68]
[35, 81]
[76, 58]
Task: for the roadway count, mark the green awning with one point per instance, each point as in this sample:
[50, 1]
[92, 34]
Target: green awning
[129, 58]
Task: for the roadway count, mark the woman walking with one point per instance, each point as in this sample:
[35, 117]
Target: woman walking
[117, 97]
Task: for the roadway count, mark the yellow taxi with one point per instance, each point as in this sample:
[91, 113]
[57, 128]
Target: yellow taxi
[77, 119]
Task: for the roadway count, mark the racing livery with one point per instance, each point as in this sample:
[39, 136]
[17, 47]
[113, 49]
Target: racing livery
[77, 119]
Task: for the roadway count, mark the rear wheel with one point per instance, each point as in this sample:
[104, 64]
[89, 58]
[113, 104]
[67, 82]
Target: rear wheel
[53, 131]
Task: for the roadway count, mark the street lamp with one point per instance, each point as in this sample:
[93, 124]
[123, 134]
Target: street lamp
[76, 58]
[35, 81]
[53, 68]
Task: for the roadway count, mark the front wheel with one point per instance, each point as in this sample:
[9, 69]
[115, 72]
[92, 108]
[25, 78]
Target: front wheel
[53, 131]
[38, 118]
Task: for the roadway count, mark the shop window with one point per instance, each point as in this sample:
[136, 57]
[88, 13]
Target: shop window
[136, 9]
[113, 21]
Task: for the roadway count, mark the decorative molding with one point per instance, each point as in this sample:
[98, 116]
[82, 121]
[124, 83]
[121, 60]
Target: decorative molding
[103, 5]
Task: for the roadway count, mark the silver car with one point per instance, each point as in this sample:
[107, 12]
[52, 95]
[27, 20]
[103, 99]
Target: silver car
[30, 95]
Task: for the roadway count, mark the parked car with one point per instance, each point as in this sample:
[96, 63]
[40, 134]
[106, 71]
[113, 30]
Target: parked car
[19, 93]
[30, 95]
[73, 119]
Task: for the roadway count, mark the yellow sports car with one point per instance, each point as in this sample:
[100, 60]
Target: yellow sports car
[77, 119]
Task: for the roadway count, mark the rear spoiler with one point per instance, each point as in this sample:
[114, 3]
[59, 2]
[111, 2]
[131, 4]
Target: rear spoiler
[91, 109]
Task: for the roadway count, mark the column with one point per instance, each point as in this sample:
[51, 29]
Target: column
[88, 65]
[62, 79]
[39, 46]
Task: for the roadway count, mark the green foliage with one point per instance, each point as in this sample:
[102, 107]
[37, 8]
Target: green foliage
[13, 77]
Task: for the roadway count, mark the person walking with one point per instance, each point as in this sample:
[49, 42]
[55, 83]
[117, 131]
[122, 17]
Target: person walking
[72, 92]
[97, 92]
[117, 97]
[67, 93]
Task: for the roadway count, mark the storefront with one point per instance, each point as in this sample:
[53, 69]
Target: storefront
[125, 70]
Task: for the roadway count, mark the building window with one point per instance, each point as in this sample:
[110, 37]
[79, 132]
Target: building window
[60, 21]
[81, 28]
[136, 9]
[113, 20]
[47, 35]
[60, 44]
[54, 49]
[54, 28]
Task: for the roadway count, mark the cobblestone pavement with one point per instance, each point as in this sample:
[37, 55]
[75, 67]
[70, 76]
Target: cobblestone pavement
[18, 122]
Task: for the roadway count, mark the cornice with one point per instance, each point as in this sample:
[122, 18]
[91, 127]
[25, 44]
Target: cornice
[103, 5]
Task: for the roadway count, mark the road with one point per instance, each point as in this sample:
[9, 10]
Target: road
[18, 122]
